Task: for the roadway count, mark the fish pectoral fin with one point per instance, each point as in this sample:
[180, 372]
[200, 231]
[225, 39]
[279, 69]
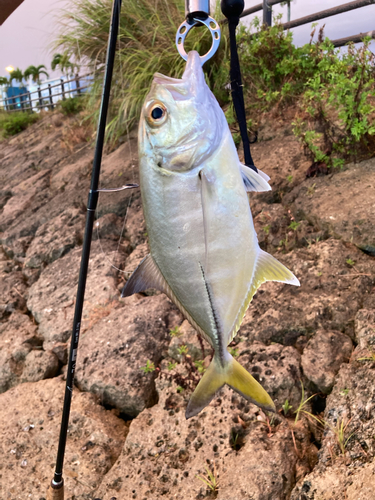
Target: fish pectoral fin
[270, 269]
[147, 275]
[236, 377]
[254, 181]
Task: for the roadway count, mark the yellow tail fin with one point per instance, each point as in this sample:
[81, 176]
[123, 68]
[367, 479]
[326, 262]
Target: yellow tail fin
[236, 377]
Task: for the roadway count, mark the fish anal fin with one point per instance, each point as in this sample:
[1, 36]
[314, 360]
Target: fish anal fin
[267, 268]
[270, 269]
[254, 181]
[147, 275]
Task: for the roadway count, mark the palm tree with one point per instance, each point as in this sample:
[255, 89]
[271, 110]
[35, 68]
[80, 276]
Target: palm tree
[17, 75]
[63, 62]
[35, 72]
[4, 80]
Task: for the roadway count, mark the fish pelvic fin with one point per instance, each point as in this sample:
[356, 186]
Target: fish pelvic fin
[267, 268]
[232, 374]
[254, 181]
[146, 275]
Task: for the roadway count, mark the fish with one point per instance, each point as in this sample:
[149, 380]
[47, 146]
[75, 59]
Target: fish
[204, 252]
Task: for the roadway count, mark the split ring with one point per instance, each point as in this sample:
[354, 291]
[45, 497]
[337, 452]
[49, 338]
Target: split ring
[184, 29]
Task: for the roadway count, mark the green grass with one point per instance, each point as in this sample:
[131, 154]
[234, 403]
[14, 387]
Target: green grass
[13, 123]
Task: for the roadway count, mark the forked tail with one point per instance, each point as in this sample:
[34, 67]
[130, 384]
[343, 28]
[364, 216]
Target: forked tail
[236, 377]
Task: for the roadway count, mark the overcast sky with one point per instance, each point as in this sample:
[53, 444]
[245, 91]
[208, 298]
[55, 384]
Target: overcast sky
[25, 35]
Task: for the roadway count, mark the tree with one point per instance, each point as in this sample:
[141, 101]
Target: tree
[63, 62]
[4, 80]
[35, 72]
[17, 75]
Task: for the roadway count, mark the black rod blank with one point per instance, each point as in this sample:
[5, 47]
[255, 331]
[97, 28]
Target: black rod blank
[58, 481]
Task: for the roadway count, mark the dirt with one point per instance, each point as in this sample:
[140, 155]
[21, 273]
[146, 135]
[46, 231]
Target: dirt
[138, 361]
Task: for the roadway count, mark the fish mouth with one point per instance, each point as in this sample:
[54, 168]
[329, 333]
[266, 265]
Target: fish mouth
[179, 89]
[187, 86]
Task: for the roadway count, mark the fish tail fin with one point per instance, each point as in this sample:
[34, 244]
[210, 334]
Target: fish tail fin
[236, 377]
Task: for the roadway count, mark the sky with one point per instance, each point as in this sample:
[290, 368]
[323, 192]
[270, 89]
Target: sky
[26, 34]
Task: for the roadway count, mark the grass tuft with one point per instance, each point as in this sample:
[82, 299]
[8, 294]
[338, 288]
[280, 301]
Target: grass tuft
[146, 45]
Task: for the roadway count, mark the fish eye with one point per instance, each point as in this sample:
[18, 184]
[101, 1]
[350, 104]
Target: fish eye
[156, 114]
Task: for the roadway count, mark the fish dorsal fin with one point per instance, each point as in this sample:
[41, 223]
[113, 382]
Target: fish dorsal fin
[148, 275]
[267, 268]
[254, 181]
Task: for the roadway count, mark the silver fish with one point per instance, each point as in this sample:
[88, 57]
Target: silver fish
[204, 252]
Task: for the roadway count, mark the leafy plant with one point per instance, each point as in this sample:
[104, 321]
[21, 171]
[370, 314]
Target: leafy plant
[199, 364]
[150, 367]
[233, 351]
[294, 225]
[286, 407]
[171, 366]
[183, 349]
[210, 480]
[180, 389]
[350, 262]
[175, 332]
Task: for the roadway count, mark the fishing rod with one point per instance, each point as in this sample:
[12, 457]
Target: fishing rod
[56, 487]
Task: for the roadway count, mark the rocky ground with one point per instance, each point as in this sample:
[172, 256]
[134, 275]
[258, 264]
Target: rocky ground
[312, 348]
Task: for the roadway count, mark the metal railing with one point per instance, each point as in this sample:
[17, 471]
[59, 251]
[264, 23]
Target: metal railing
[266, 7]
[24, 102]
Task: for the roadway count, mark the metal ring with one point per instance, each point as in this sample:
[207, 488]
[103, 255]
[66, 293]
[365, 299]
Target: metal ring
[184, 29]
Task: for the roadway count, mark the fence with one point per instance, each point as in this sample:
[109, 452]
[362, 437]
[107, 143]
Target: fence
[24, 102]
[266, 7]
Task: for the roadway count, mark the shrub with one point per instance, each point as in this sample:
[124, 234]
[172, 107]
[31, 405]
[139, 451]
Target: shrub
[13, 123]
[274, 70]
[339, 106]
[71, 106]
